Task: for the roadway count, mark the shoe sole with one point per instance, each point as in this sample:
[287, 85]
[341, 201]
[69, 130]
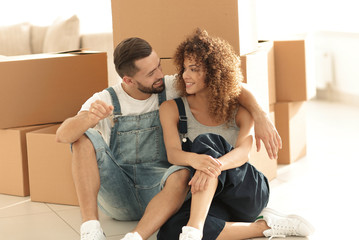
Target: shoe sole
[272, 211]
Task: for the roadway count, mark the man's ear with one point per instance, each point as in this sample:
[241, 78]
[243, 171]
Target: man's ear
[127, 80]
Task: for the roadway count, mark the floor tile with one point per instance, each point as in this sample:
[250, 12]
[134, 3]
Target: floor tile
[110, 226]
[8, 200]
[18, 206]
[36, 227]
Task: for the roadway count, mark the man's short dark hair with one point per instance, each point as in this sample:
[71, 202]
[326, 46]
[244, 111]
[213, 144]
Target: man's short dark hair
[127, 52]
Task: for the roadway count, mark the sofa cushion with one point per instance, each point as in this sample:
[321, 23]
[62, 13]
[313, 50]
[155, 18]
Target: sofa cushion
[63, 35]
[15, 39]
[37, 37]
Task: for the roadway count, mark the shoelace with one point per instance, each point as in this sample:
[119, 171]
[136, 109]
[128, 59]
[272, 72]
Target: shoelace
[276, 236]
[282, 229]
[95, 234]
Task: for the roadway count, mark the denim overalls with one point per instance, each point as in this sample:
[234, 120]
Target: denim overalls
[132, 166]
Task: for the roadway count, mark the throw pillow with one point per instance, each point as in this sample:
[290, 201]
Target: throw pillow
[15, 39]
[37, 37]
[63, 35]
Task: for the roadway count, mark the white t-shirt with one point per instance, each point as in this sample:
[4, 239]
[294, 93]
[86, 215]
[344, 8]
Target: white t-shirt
[129, 105]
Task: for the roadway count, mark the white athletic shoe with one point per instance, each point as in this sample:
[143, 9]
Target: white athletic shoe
[282, 225]
[190, 233]
[91, 230]
[132, 236]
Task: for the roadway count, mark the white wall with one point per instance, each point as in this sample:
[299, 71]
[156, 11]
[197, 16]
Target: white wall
[95, 15]
[282, 17]
[343, 48]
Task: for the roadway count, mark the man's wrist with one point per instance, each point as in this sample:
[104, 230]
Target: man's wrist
[258, 114]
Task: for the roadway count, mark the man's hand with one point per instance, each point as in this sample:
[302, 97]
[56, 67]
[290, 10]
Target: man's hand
[99, 110]
[207, 164]
[264, 130]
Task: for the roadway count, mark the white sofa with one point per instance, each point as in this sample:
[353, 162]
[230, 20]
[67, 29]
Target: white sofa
[62, 35]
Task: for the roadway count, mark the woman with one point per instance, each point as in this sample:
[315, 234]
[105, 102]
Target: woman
[228, 193]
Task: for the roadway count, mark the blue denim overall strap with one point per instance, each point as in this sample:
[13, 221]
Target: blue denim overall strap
[182, 125]
[117, 109]
[138, 129]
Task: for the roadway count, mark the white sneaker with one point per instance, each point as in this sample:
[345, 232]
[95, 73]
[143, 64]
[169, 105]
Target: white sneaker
[190, 233]
[132, 236]
[282, 225]
[91, 230]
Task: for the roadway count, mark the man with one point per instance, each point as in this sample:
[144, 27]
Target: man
[118, 151]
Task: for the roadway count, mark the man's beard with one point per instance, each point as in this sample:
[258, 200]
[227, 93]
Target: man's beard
[150, 90]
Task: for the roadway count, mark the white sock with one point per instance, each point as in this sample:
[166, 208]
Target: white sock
[196, 231]
[132, 236]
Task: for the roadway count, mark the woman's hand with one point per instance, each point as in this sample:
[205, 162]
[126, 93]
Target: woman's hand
[207, 164]
[199, 181]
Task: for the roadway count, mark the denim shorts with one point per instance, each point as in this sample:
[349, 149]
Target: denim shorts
[122, 195]
[170, 171]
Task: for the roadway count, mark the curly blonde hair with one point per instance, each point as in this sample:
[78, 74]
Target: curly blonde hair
[223, 73]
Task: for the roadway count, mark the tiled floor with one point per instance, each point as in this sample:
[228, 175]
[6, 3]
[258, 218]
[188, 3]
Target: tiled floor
[322, 187]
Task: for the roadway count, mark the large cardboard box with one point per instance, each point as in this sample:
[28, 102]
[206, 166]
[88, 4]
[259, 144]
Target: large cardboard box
[166, 23]
[168, 67]
[290, 121]
[259, 73]
[50, 168]
[291, 79]
[47, 88]
[260, 159]
[14, 175]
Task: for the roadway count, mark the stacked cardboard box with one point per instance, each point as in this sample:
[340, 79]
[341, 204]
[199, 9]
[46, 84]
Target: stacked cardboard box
[168, 67]
[48, 88]
[164, 24]
[50, 168]
[259, 74]
[276, 75]
[14, 176]
[292, 90]
[36, 90]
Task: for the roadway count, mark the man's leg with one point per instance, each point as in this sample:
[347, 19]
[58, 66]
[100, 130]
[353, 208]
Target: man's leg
[164, 204]
[86, 177]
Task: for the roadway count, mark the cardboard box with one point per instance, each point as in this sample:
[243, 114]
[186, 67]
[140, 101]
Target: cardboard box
[290, 121]
[164, 24]
[48, 88]
[14, 175]
[291, 79]
[50, 171]
[168, 67]
[259, 73]
[260, 159]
